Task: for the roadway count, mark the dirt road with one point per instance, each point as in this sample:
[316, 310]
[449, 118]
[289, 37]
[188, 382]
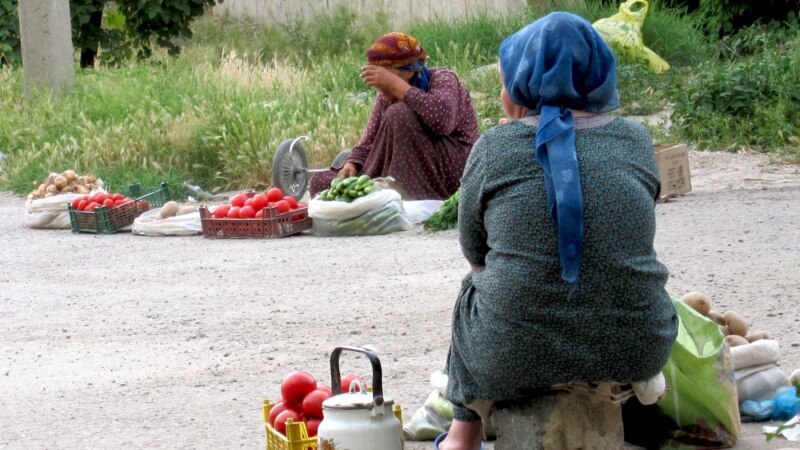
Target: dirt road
[125, 341]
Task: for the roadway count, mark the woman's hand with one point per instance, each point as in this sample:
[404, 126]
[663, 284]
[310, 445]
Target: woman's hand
[348, 170]
[387, 81]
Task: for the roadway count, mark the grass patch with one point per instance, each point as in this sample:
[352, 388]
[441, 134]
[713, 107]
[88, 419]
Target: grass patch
[215, 115]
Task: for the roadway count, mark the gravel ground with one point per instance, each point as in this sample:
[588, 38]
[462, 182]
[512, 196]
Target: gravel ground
[125, 341]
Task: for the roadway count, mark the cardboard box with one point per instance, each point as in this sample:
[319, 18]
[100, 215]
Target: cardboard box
[673, 169]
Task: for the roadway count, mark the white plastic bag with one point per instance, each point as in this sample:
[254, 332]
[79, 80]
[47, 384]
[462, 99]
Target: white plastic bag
[759, 383]
[149, 224]
[380, 212]
[420, 210]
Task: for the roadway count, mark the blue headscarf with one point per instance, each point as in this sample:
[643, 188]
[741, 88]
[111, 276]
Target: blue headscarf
[552, 66]
[422, 77]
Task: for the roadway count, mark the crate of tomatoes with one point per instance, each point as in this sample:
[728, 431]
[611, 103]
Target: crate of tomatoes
[291, 422]
[256, 215]
[107, 213]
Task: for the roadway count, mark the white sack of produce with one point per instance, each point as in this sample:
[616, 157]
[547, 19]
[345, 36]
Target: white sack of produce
[49, 213]
[380, 212]
[169, 220]
[765, 351]
[46, 207]
[759, 383]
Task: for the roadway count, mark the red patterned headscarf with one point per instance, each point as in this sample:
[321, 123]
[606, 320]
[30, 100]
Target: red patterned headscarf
[395, 50]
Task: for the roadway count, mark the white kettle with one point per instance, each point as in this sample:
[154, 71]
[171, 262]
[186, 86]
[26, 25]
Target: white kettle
[359, 420]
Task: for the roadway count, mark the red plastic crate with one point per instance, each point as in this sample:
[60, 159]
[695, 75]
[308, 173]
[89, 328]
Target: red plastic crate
[273, 225]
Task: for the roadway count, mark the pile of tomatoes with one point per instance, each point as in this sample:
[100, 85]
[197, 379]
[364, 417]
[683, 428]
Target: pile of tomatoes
[245, 206]
[94, 201]
[301, 400]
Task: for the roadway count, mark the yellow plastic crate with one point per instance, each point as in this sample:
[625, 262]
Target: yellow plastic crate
[296, 434]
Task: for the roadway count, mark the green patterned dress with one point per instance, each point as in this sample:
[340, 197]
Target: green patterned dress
[517, 327]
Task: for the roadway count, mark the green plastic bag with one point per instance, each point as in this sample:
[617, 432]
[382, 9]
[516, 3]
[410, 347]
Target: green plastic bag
[623, 33]
[701, 394]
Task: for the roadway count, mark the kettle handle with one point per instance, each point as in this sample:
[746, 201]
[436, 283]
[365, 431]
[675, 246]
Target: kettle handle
[377, 374]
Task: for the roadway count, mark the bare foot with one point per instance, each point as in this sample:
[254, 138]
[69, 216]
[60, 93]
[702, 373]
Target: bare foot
[463, 436]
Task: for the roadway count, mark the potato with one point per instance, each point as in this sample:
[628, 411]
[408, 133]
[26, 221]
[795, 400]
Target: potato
[83, 181]
[698, 301]
[757, 336]
[186, 209]
[736, 323]
[68, 188]
[70, 175]
[78, 189]
[718, 318]
[735, 341]
[52, 189]
[724, 329]
[169, 209]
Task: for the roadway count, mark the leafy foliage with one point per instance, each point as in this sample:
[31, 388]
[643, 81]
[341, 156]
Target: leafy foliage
[728, 16]
[746, 97]
[9, 33]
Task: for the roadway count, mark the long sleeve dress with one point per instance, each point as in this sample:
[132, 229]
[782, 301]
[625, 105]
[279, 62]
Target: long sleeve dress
[517, 327]
[422, 142]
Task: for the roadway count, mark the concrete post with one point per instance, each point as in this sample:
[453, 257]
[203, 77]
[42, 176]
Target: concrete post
[47, 54]
[559, 421]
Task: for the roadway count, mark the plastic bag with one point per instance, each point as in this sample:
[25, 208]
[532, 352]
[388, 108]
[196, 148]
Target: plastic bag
[623, 33]
[430, 420]
[783, 406]
[378, 213]
[701, 398]
[185, 225]
[420, 210]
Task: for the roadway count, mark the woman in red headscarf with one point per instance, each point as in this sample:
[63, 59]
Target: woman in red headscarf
[422, 124]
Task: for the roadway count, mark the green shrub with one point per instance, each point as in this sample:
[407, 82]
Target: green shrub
[747, 97]
[728, 16]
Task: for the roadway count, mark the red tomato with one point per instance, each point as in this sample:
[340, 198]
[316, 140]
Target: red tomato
[92, 206]
[108, 203]
[118, 197]
[299, 217]
[233, 213]
[260, 201]
[296, 386]
[127, 199]
[312, 403]
[347, 380]
[282, 206]
[238, 200]
[221, 211]
[143, 205]
[292, 201]
[250, 202]
[312, 425]
[82, 205]
[259, 214]
[280, 420]
[325, 388]
[274, 194]
[246, 212]
[301, 206]
[273, 413]
[76, 202]
[119, 202]
[90, 199]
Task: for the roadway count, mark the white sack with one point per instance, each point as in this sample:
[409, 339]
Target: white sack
[765, 351]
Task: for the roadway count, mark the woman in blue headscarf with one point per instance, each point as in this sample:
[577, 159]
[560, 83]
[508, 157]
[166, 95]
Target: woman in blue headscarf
[557, 220]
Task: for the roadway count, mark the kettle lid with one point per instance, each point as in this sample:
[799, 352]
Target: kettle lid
[356, 400]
